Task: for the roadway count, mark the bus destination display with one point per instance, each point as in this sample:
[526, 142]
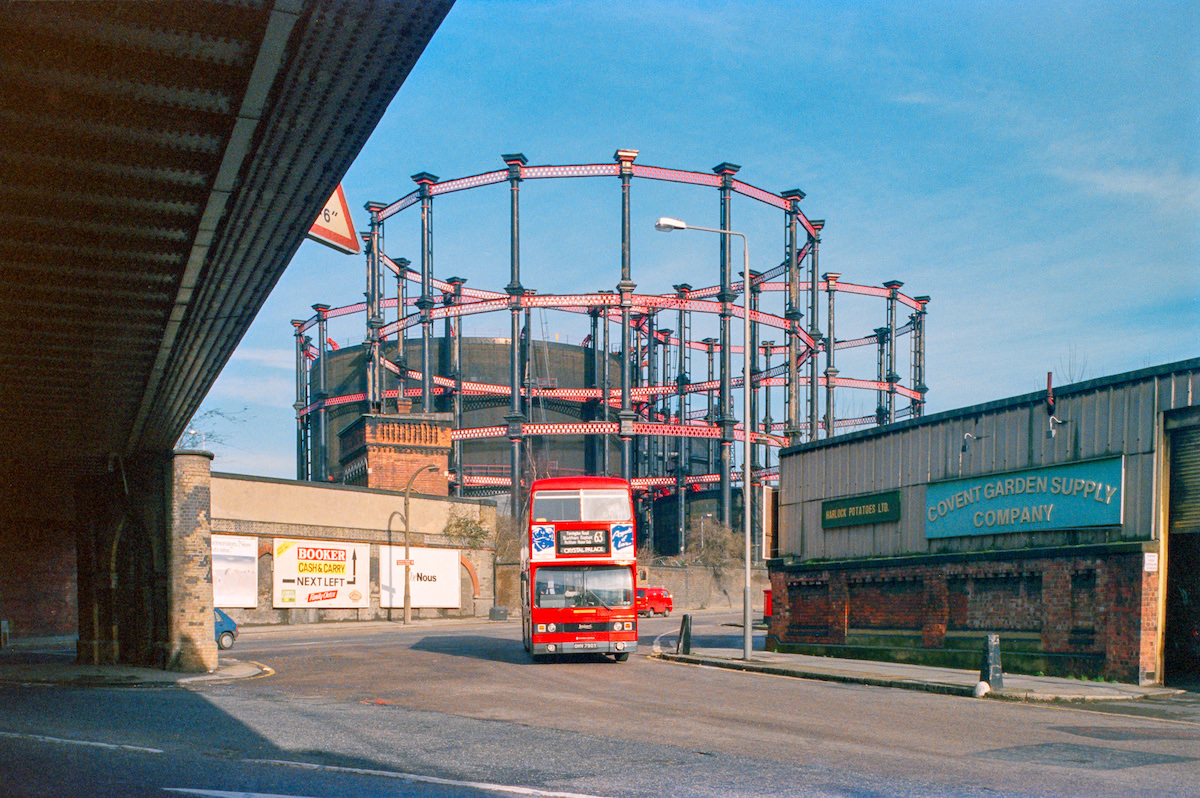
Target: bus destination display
[573, 542]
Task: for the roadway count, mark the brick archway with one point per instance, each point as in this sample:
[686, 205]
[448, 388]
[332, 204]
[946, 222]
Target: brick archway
[462, 558]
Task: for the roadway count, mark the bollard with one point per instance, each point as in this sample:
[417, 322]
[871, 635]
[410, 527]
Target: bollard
[990, 670]
[684, 644]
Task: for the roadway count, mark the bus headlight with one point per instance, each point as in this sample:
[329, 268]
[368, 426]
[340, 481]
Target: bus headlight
[550, 627]
[620, 646]
[551, 648]
[623, 626]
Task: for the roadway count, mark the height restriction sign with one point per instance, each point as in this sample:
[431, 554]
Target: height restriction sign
[333, 226]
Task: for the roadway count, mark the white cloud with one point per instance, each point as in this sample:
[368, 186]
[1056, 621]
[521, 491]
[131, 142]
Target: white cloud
[1171, 190]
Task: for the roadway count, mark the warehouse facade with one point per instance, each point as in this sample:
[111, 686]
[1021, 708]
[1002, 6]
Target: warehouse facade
[1066, 520]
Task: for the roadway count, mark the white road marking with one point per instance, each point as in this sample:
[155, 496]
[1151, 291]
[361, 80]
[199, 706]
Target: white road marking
[658, 649]
[226, 794]
[413, 777]
[41, 738]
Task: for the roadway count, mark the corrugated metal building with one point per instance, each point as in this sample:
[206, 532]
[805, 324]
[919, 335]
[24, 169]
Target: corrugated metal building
[1067, 522]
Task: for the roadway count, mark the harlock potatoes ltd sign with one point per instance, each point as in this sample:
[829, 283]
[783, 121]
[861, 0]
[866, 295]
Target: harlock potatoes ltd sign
[856, 510]
[1073, 495]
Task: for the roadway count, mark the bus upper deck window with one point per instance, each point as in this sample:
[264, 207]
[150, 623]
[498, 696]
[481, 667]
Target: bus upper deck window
[605, 505]
[556, 505]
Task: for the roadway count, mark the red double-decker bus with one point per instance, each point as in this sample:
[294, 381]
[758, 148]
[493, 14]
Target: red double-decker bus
[579, 568]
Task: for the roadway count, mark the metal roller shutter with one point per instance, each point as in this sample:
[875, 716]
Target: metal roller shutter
[1185, 480]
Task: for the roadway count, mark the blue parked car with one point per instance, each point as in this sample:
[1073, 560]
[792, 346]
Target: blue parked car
[224, 628]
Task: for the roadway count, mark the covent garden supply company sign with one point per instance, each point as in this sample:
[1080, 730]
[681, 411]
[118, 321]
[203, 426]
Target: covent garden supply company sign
[1074, 495]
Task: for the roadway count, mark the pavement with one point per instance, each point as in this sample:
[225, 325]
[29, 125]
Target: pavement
[948, 681]
[51, 661]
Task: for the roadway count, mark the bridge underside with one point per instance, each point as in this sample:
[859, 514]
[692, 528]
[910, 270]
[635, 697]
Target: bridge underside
[160, 166]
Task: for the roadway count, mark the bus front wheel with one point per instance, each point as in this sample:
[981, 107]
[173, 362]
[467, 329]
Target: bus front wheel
[624, 655]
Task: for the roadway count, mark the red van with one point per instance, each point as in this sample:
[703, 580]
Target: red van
[654, 601]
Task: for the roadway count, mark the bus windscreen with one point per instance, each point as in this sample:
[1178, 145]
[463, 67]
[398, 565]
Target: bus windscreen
[588, 586]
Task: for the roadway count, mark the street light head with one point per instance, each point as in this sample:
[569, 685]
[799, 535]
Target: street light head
[666, 225]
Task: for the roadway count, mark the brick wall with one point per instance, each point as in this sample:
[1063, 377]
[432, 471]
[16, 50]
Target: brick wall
[268, 509]
[37, 582]
[475, 585]
[386, 451]
[889, 602]
[190, 642]
[994, 602]
[1096, 602]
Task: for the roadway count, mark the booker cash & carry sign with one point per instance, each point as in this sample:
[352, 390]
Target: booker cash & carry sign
[322, 573]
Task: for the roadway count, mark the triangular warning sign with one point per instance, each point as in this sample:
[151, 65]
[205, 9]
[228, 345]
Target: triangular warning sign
[333, 226]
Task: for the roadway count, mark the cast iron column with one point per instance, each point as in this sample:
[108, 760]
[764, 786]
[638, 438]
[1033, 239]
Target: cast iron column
[374, 252]
[606, 407]
[649, 444]
[767, 423]
[515, 291]
[750, 300]
[881, 339]
[321, 442]
[683, 460]
[893, 287]
[831, 372]
[456, 372]
[301, 401]
[594, 441]
[918, 356]
[425, 302]
[725, 417]
[401, 336]
[814, 331]
[793, 316]
[625, 287]
[710, 415]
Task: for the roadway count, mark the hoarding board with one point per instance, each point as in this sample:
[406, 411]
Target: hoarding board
[235, 571]
[434, 577]
[321, 573]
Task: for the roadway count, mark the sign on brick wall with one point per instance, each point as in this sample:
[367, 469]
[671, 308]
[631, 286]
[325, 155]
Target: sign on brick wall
[235, 571]
[322, 573]
[1069, 496]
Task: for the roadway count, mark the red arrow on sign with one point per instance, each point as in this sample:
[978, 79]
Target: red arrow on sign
[333, 226]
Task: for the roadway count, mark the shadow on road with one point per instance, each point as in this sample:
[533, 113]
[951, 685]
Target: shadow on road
[484, 647]
[496, 649]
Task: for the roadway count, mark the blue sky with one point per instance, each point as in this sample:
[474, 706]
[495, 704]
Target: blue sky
[1033, 167]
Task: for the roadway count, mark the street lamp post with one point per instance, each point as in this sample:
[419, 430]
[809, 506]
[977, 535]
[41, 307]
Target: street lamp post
[407, 556]
[703, 518]
[666, 225]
